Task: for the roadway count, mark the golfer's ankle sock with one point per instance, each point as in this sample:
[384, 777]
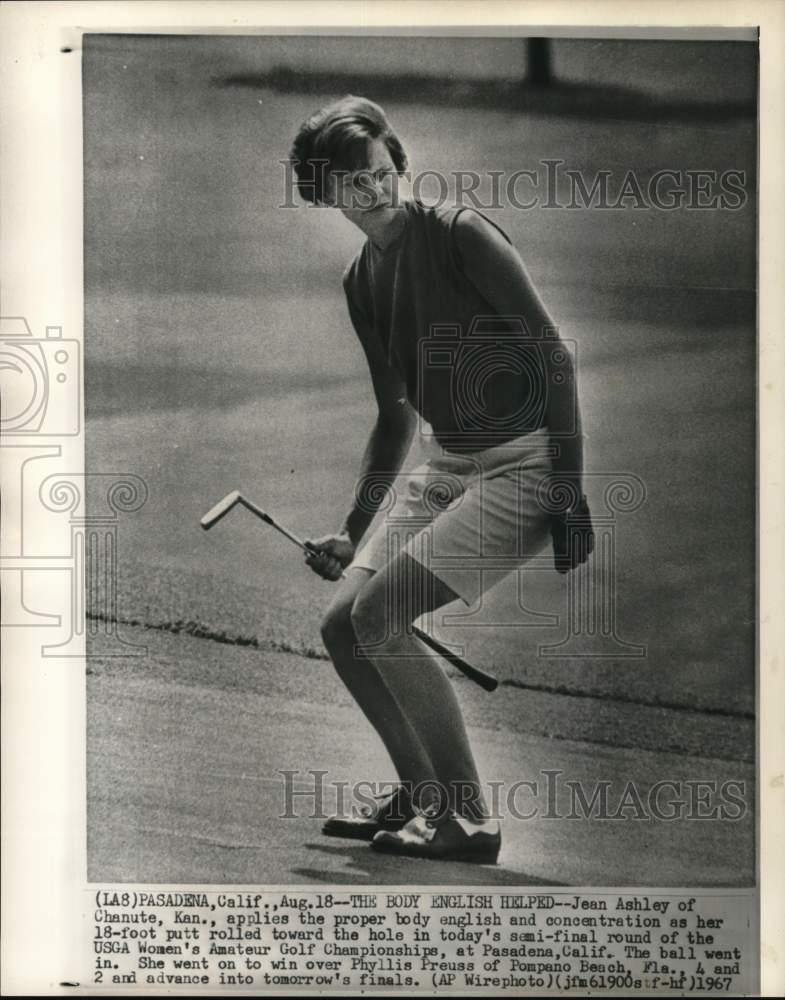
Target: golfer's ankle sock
[472, 810]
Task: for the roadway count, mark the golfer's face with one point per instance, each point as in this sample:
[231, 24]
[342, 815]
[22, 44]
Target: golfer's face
[370, 193]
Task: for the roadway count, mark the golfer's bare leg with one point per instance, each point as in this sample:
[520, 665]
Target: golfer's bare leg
[367, 687]
[413, 674]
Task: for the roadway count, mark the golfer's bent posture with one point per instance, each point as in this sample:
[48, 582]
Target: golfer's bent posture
[453, 330]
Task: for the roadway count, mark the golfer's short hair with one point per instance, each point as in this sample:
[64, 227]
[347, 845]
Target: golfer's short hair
[336, 138]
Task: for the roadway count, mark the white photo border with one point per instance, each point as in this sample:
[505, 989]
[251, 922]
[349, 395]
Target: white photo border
[43, 817]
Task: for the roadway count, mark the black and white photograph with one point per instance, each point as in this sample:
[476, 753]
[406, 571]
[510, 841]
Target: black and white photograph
[472, 320]
[413, 571]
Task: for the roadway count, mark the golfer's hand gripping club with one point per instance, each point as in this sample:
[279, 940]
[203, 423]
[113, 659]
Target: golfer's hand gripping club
[573, 536]
[330, 555]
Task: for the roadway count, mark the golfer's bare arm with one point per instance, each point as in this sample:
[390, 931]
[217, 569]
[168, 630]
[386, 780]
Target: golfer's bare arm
[390, 437]
[495, 268]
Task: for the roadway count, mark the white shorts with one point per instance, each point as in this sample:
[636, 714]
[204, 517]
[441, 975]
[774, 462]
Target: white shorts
[470, 519]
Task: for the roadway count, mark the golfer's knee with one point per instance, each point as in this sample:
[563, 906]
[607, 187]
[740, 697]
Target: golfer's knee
[368, 617]
[336, 628]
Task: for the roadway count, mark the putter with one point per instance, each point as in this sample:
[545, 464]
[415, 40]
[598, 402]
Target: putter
[222, 508]
[235, 498]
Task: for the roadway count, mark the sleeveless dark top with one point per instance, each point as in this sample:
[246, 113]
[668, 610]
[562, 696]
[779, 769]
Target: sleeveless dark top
[465, 368]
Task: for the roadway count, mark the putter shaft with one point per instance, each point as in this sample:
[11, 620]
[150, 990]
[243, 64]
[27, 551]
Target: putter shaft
[250, 505]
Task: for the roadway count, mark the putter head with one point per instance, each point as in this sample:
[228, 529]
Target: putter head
[221, 508]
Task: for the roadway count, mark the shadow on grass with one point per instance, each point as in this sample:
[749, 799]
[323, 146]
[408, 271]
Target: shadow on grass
[556, 98]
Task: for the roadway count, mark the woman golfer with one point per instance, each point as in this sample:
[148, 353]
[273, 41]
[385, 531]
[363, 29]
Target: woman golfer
[453, 331]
